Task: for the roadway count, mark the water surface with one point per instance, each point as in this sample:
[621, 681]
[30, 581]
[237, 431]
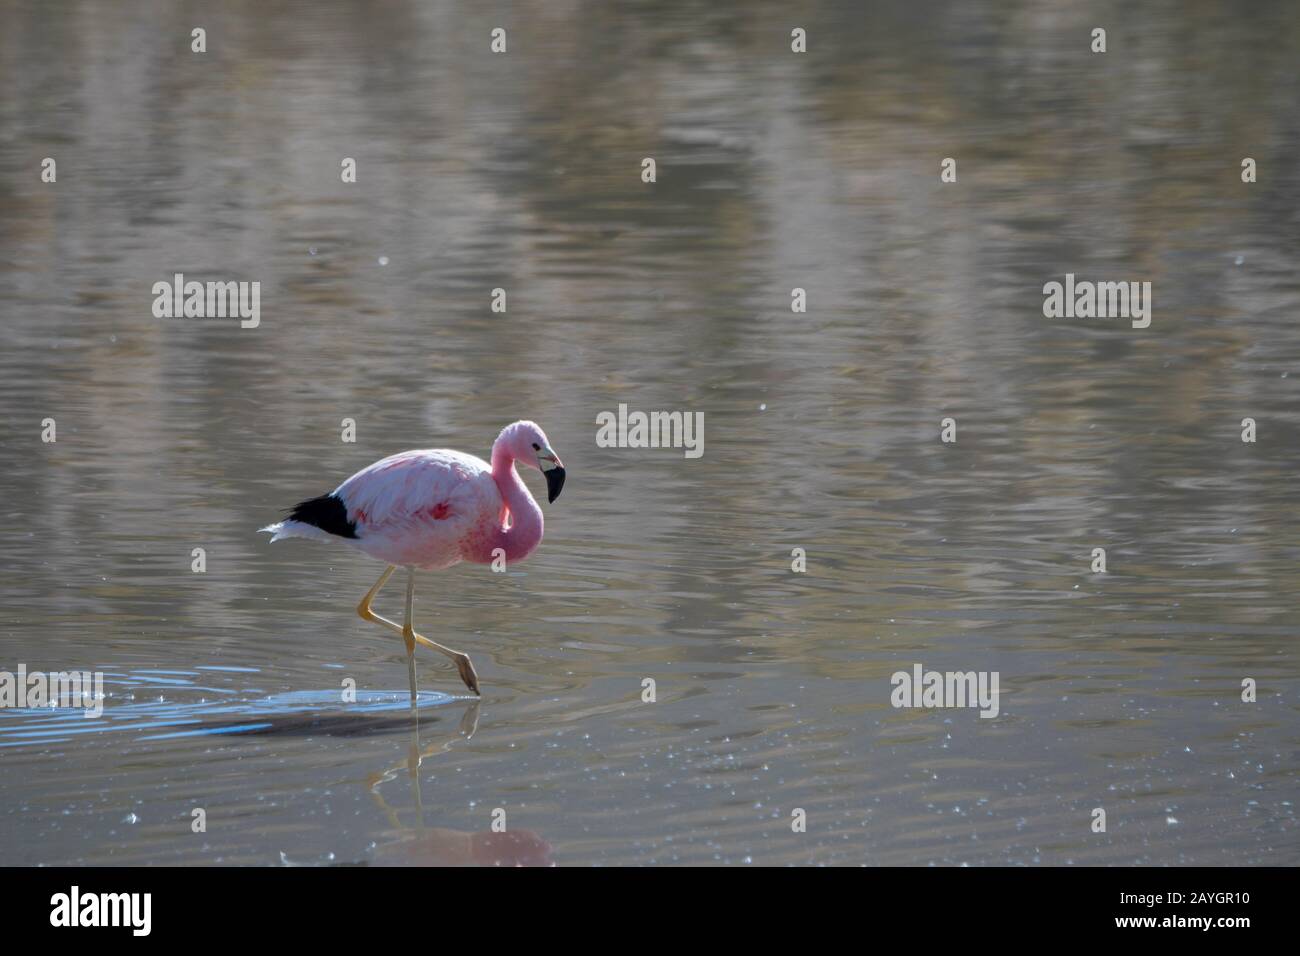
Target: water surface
[775, 171]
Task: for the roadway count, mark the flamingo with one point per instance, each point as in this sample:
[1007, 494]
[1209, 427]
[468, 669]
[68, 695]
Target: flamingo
[431, 509]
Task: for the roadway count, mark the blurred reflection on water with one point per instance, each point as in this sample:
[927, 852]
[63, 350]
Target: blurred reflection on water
[775, 171]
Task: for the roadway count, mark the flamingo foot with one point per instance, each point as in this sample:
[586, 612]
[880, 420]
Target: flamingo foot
[467, 672]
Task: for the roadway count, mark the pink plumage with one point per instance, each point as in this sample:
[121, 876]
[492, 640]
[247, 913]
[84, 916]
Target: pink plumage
[430, 509]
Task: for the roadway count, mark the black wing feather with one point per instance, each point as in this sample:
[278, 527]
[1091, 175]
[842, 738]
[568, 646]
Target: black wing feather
[328, 513]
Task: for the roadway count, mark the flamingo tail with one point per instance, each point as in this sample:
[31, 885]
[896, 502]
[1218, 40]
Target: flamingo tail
[295, 529]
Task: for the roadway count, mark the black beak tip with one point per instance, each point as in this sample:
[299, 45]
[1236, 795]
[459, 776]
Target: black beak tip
[554, 483]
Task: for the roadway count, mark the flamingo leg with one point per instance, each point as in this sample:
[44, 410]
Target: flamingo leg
[368, 614]
[460, 659]
[408, 631]
[364, 607]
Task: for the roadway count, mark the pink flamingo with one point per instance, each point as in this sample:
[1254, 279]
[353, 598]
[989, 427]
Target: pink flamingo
[431, 509]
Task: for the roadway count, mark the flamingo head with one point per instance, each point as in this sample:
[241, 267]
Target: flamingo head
[532, 448]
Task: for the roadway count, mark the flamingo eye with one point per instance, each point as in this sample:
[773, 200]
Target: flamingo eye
[536, 447]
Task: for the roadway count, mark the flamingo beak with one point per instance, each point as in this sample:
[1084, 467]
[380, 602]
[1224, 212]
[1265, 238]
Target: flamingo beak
[553, 471]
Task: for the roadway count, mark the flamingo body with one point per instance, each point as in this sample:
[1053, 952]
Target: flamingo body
[428, 509]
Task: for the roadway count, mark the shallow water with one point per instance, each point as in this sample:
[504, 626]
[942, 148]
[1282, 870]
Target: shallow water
[224, 689]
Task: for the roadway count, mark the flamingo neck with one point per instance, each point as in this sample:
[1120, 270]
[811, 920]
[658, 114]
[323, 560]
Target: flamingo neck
[524, 534]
